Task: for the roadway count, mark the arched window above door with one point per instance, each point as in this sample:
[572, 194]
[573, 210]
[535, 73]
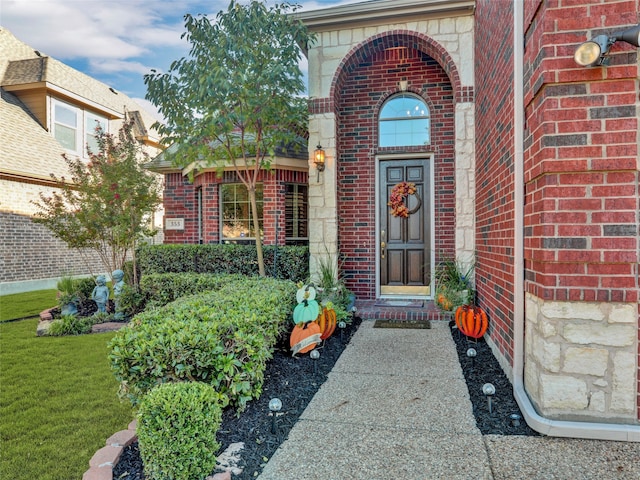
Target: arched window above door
[404, 122]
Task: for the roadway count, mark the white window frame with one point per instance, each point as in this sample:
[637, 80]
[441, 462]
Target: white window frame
[82, 129]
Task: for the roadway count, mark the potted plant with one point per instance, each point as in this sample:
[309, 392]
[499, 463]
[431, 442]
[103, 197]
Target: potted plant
[453, 285]
[68, 297]
[331, 288]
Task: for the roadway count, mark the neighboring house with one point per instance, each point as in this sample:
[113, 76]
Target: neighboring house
[47, 109]
[202, 205]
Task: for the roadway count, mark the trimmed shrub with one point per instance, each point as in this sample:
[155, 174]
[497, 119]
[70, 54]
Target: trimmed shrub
[131, 301]
[177, 425]
[85, 286]
[161, 288]
[223, 338]
[290, 262]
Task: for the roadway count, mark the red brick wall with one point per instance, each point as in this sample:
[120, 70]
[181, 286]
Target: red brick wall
[180, 201]
[581, 154]
[363, 88]
[494, 169]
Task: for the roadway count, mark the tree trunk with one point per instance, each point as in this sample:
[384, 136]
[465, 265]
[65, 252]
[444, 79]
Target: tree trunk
[256, 228]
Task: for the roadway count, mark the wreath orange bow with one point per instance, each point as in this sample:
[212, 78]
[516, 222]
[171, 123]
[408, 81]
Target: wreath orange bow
[399, 192]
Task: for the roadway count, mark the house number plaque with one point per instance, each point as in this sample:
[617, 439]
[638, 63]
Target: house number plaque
[174, 224]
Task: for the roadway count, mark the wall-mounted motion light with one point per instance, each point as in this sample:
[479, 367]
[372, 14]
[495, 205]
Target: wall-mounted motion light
[594, 52]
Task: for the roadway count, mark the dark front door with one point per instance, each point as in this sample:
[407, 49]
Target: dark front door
[405, 245]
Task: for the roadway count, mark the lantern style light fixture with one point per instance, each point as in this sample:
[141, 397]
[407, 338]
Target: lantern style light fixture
[594, 52]
[318, 159]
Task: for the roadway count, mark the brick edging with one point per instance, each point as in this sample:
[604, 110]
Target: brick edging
[46, 315]
[104, 460]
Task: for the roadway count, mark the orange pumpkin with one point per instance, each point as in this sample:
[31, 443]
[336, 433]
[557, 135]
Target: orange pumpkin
[471, 320]
[304, 337]
[327, 322]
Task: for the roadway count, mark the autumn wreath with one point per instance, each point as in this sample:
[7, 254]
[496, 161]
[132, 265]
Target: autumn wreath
[399, 193]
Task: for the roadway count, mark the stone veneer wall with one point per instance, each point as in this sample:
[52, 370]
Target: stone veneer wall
[450, 41]
[580, 359]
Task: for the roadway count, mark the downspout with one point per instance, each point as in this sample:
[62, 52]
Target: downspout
[554, 428]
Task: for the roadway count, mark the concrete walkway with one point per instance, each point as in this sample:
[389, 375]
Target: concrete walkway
[396, 406]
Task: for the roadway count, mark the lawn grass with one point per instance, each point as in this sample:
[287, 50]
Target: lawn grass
[28, 304]
[58, 402]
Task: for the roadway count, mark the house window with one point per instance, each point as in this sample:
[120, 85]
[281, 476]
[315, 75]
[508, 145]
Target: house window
[75, 128]
[404, 122]
[237, 225]
[65, 125]
[296, 219]
[92, 122]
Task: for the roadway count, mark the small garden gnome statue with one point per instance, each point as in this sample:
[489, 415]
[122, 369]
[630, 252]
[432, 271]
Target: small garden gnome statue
[118, 285]
[100, 294]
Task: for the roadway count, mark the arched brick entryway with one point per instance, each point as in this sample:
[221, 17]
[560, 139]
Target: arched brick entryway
[378, 68]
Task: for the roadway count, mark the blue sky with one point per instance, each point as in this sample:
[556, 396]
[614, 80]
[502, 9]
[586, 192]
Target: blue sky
[114, 41]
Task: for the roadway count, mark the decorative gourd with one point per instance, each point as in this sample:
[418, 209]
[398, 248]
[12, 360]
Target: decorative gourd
[327, 322]
[306, 292]
[444, 302]
[307, 311]
[304, 337]
[471, 320]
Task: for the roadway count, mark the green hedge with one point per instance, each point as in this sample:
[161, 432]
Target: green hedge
[289, 263]
[223, 338]
[177, 425]
[158, 289]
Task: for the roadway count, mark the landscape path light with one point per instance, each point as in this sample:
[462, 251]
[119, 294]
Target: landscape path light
[489, 390]
[275, 405]
[315, 355]
[515, 419]
[342, 325]
[472, 353]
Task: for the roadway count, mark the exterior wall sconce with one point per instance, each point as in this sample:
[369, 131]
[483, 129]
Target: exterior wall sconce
[318, 160]
[594, 52]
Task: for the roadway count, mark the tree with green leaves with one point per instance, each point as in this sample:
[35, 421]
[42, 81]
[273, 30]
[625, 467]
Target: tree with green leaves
[237, 97]
[107, 204]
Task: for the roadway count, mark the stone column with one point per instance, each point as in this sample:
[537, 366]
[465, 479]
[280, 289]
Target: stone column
[323, 214]
[465, 183]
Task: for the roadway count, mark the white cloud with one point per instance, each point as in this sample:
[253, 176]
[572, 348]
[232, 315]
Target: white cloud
[119, 67]
[113, 39]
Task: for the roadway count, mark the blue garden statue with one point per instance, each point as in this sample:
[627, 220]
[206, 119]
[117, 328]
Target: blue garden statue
[100, 294]
[118, 285]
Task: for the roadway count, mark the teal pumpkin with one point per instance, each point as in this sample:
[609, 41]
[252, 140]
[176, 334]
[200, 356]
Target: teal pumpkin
[306, 311]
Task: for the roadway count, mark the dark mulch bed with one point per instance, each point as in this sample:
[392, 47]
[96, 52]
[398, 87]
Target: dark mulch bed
[486, 369]
[295, 381]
